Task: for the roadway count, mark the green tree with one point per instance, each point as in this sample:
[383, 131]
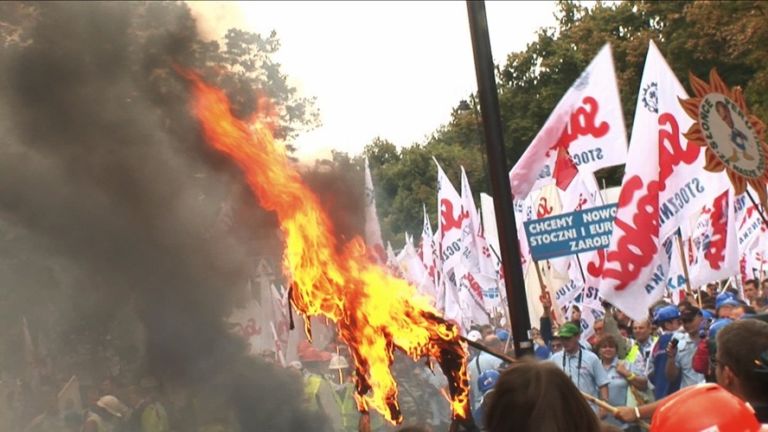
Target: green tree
[693, 36]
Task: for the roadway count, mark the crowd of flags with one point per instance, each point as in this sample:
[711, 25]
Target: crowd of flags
[672, 216]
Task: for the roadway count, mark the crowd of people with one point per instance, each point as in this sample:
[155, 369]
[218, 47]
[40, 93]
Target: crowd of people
[652, 369]
[636, 367]
[108, 407]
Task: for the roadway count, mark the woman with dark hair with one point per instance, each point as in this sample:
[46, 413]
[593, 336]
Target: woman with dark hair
[621, 376]
[537, 397]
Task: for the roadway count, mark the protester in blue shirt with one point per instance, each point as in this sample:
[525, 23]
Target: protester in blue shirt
[621, 375]
[485, 384]
[680, 356]
[581, 365]
[483, 362]
[668, 318]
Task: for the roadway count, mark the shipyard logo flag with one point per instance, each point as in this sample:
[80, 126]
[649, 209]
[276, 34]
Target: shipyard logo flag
[584, 133]
[664, 187]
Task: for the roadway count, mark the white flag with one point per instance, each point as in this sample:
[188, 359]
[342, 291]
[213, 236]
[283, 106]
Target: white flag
[664, 185]
[749, 223]
[413, 270]
[372, 228]
[584, 133]
[489, 221]
[69, 399]
[429, 253]
[714, 248]
[523, 213]
[676, 281]
[475, 250]
[449, 220]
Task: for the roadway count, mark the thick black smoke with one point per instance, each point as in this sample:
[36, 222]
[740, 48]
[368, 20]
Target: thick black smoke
[102, 166]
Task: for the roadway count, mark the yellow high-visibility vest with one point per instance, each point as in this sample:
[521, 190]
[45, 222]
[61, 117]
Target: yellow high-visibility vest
[312, 384]
[635, 350]
[347, 408]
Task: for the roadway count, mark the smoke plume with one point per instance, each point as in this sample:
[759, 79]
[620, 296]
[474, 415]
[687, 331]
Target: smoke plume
[102, 168]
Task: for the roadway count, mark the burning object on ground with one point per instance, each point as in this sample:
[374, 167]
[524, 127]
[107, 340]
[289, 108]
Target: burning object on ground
[374, 311]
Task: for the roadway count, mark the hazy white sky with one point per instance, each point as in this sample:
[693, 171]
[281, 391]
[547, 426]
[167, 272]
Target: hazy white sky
[391, 69]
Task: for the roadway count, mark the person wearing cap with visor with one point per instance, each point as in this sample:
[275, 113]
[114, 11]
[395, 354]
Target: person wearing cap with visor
[668, 320]
[581, 365]
[338, 397]
[105, 415]
[680, 355]
[741, 369]
[485, 384]
[724, 304]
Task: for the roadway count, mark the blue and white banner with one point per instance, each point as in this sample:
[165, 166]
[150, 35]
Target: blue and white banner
[570, 233]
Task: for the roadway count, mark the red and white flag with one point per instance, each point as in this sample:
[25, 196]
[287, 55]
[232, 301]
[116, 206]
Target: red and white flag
[372, 228]
[429, 249]
[581, 194]
[676, 281]
[749, 224]
[714, 253]
[664, 186]
[524, 212]
[450, 218]
[475, 252]
[492, 240]
[584, 133]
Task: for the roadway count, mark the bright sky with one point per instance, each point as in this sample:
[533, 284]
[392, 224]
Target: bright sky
[391, 69]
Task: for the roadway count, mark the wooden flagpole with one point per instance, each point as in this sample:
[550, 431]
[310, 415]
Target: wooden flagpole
[541, 278]
[685, 266]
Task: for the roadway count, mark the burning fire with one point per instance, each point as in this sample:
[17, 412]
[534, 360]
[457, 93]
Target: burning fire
[375, 312]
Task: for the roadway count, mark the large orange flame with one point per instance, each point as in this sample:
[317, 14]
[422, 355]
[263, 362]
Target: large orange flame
[375, 312]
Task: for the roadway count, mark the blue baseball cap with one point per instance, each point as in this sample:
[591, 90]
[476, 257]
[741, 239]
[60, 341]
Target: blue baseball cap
[487, 380]
[542, 352]
[502, 334]
[717, 326]
[708, 315]
[722, 298]
[728, 302]
[666, 313]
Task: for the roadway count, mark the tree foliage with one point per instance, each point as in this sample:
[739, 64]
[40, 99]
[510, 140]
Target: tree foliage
[693, 36]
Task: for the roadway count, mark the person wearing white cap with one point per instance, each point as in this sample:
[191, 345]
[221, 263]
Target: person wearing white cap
[104, 417]
[337, 398]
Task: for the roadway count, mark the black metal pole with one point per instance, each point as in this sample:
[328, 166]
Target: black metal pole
[497, 167]
[757, 207]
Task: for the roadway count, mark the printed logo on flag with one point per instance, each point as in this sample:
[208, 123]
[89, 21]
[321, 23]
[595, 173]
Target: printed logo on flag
[730, 135]
[733, 139]
[651, 97]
